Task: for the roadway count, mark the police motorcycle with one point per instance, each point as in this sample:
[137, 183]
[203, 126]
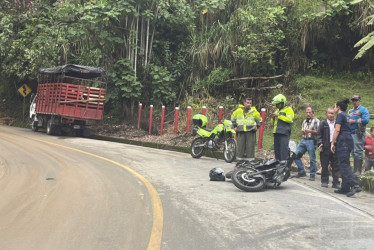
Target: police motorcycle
[221, 138]
[251, 176]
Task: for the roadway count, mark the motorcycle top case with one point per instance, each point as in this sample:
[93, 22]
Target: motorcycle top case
[199, 120]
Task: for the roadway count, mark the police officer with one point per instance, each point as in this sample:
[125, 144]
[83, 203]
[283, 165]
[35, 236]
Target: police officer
[358, 119]
[282, 120]
[342, 143]
[246, 119]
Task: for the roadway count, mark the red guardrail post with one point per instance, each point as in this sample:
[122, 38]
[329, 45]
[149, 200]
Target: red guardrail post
[176, 115]
[203, 110]
[261, 131]
[162, 119]
[220, 114]
[150, 119]
[188, 120]
[139, 114]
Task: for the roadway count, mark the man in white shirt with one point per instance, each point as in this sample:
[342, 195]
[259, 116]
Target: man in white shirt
[324, 138]
[308, 144]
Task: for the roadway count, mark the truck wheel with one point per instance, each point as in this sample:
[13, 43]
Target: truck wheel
[57, 130]
[34, 125]
[50, 129]
[86, 132]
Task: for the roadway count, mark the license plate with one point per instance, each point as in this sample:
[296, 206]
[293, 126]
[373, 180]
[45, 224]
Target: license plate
[76, 126]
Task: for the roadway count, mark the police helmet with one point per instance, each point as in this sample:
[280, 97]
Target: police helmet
[278, 99]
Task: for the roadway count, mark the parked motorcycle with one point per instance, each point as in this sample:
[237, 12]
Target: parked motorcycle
[221, 138]
[251, 176]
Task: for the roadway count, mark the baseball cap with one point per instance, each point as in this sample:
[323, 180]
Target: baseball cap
[356, 98]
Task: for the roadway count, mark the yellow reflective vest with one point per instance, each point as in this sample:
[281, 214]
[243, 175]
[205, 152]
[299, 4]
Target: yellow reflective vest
[283, 123]
[246, 120]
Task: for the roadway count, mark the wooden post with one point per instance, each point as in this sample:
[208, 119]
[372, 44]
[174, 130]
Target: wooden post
[176, 114]
[220, 114]
[261, 131]
[188, 120]
[203, 110]
[162, 119]
[150, 119]
[139, 114]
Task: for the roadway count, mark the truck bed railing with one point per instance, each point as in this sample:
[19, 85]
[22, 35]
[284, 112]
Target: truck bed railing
[71, 100]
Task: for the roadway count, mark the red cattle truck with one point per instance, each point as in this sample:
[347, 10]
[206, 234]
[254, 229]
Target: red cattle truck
[68, 100]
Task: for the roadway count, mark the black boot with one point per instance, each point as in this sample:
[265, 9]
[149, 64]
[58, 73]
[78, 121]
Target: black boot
[354, 189]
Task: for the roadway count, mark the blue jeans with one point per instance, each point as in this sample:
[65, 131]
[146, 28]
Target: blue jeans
[344, 146]
[358, 147]
[303, 147]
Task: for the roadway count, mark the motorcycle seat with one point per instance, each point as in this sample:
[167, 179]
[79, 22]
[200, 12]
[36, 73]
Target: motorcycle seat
[271, 162]
[208, 129]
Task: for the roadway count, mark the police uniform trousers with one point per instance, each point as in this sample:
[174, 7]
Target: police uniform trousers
[246, 145]
[344, 146]
[281, 149]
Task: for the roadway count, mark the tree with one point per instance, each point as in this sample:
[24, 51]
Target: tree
[367, 42]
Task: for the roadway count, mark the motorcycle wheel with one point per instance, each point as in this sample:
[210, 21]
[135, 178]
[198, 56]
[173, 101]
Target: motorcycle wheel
[229, 152]
[197, 147]
[249, 184]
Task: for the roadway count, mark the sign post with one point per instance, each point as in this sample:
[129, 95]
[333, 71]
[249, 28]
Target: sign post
[24, 90]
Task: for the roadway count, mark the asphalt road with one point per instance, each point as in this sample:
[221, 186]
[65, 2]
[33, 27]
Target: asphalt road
[75, 193]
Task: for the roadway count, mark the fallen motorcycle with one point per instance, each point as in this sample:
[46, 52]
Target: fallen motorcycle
[251, 176]
[221, 138]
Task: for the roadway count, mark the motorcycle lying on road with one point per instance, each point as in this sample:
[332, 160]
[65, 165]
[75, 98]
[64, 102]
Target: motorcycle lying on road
[253, 176]
[220, 138]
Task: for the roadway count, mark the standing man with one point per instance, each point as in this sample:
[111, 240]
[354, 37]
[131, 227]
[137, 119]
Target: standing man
[325, 132]
[358, 119]
[246, 120]
[308, 144]
[282, 120]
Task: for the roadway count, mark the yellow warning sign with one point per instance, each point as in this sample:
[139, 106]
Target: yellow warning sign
[24, 90]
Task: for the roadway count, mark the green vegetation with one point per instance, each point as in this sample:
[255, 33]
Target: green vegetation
[322, 91]
[189, 52]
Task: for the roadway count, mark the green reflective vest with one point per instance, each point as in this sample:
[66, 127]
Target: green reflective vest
[246, 120]
[283, 123]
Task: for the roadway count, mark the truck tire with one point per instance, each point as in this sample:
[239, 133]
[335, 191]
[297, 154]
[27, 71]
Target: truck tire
[34, 125]
[50, 127]
[86, 132]
[57, 130]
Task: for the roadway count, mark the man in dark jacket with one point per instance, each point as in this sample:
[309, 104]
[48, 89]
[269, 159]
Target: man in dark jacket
[325, 131]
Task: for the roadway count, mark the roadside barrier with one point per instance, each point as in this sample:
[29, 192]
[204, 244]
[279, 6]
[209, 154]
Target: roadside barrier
[203, 110]
[261, 130]
[150, 119]
[188, 120]
[162, 120]
[220, 114]
[139, 114]
[176, 115]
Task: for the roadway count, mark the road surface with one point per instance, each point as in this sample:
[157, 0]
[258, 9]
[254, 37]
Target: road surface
[76, 193]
